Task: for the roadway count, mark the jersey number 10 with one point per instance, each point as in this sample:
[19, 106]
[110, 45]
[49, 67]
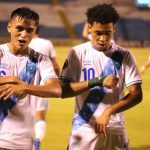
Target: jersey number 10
[88, 73]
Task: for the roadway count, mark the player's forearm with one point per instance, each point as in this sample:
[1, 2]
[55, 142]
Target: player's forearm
[74, 88]
[44, 90]
[71, 89]
[147, 65]
[130, 100]
[57, 71]
[9, 79]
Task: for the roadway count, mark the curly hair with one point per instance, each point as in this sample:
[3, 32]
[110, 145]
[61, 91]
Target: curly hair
[102, 13]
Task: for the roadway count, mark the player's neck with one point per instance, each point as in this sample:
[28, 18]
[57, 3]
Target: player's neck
[17, 52]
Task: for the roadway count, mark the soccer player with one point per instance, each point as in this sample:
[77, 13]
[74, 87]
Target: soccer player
[45, 47]
[145, 66]
[98, 122]
[85, 32]
[21, 70]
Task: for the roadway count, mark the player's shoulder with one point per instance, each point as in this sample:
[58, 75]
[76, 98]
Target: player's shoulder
[4, 48]
[42, 40]
[121, 49]
[82, 45]
[81, 48]
[35, 55]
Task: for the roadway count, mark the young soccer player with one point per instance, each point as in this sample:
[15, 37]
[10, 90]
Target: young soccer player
[98, 122]
[45, 47]
[21, 70]
[85, 32]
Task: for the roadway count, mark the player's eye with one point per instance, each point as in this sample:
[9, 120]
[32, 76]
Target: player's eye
[108, 33]
[30, 30]
[19, 28]
[98, 33]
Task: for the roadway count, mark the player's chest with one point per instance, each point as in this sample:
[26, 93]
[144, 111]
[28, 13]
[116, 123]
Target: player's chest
[11, 66]
[93, 64]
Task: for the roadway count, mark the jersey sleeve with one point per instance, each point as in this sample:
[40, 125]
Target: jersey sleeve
[132, 75]
[71, 68]
[46, 68]
[52, 52]
[42, 104]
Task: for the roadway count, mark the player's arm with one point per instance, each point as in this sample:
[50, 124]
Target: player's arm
[70, 89]
[10, 79]
[85, 31]
[56, 66]
[131, 99]
[51, 88]
[145, 66]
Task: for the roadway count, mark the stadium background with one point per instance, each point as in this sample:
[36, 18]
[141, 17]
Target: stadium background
[62, 22]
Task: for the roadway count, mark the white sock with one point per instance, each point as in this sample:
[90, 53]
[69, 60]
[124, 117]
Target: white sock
[40, 129]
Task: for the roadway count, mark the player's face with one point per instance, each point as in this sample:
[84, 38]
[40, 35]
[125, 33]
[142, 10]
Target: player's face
[102, 34]
[21, 32]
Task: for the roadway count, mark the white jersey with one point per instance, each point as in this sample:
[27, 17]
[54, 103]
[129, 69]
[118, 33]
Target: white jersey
[17, 115]
[45, 47]
[84, 63]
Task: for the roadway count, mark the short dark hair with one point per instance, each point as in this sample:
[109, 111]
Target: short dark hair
[27, 13]
[102, 13]
[37, 31]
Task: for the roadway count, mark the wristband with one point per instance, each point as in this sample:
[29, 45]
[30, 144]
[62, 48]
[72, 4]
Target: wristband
[98, 81]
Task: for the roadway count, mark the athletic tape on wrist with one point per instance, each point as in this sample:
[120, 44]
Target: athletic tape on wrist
[98, 81]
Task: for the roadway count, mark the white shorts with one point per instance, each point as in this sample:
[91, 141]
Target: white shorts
[42, 103]
[83, 140]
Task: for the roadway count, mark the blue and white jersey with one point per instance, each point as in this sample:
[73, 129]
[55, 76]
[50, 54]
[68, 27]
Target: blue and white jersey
[85, 63]
[44, 47]
[17, 115]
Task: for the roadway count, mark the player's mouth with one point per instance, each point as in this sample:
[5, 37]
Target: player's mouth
[101, 45]
[22, 42]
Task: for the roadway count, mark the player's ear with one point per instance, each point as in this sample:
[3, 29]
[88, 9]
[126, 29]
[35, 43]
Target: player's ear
[9, 27]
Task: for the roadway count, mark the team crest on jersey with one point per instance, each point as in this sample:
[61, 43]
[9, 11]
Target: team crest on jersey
[65, 64]
[87, 62]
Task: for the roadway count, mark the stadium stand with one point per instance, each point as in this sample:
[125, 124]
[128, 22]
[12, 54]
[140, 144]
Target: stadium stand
[65, 18]
[36, 1]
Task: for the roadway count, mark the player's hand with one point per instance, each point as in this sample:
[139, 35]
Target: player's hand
[8, 90]
[142, 70]
[101, 122]
[110, 81]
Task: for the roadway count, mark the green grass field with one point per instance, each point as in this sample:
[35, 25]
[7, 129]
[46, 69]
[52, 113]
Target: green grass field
[59, 116]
